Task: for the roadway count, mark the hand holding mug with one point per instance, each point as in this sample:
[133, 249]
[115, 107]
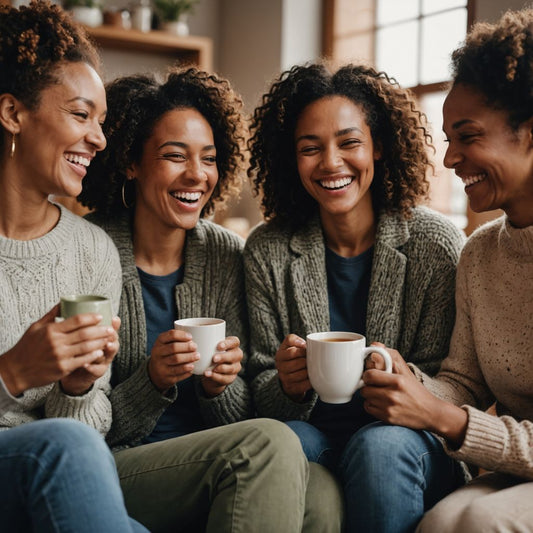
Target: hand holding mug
[291, 364]
[172, 359]
[226, 367]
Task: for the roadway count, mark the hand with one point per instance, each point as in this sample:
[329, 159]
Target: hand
[50, 351]
[82, 379]
[172, 359]
[375, 360]
[399, 398]
[227, 366]
[291, 364]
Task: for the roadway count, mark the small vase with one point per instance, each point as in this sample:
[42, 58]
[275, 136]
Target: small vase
[177, 27]
[90, 16]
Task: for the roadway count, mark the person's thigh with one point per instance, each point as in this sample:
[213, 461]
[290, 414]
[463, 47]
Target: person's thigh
[316, 445]
[391, 475]
[324, 502]
[58, 475]
[246, 476]
[490, 503]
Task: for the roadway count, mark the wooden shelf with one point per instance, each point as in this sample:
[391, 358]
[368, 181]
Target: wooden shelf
[190, 49]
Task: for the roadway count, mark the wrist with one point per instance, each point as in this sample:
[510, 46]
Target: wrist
[450, 423]
[12, 380]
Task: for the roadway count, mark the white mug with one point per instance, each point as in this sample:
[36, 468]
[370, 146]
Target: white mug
[206, 333]
[336, 362]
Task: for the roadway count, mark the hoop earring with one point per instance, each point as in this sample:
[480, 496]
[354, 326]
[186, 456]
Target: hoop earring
[124, 203]
[12, 153]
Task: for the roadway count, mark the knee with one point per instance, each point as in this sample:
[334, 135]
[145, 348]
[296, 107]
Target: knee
[279, 435]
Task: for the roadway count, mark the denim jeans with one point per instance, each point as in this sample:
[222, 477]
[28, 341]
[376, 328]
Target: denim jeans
[58, 475]
[390, 475]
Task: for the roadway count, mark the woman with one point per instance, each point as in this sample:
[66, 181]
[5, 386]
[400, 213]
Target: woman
[54, 472]
[174, 152]
[488, 119]
[340, 159]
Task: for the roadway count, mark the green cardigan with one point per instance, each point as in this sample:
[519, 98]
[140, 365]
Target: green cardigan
[213, 285]
[410, 306]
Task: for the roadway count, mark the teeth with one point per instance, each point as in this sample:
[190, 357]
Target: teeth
[187, 196]
[78, 159]
[336, 184]
[470, 180]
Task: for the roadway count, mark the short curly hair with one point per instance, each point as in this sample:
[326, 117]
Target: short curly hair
[136, 103]
[497, 59]
[34, 41]
[395, 124]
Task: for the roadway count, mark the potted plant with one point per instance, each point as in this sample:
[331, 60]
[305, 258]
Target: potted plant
[87, 12]
[173, 14]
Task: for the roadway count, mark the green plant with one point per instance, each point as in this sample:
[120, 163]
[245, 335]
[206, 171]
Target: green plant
[170, 10]
[69, 4]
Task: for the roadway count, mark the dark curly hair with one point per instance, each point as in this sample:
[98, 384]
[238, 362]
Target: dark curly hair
[34, 40]
[497, 59]
[395, 124]
[136, 103]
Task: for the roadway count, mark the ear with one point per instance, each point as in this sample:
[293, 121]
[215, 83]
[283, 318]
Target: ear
[10, 111]
[378, 151]
[131, 172]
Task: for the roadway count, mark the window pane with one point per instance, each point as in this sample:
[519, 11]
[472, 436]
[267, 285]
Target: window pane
[440, 36]
[432, 6]
[446, 189]
[399, 61]
[390, 11]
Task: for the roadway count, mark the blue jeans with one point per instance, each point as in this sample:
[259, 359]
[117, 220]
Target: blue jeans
[390, 475]
[58, 475]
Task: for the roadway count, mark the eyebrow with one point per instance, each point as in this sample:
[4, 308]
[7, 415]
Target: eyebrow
[339, 133]
[89, 102]
[185, 145]
[460, 123]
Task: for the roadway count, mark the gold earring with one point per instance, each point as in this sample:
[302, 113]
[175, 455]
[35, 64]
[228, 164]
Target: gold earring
[12, 154]
[124, 203]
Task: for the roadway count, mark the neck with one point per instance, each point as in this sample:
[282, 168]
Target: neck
[520, 214]
[350, 234]
[158, 251]
[25, 213]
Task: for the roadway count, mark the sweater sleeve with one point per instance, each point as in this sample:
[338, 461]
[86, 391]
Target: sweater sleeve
[235, 402]
[500, 444]
[94, 407]
[265, 332]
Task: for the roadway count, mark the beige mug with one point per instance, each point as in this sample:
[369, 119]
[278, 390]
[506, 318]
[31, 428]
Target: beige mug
[76, 304]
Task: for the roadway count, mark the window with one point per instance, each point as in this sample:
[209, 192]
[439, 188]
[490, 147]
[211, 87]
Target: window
[412, 41]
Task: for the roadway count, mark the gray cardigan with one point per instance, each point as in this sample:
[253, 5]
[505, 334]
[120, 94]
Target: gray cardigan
[410, 306]
[213, 285]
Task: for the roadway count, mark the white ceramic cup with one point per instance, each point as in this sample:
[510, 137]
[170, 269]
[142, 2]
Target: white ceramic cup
[336, 361]
[206, 333]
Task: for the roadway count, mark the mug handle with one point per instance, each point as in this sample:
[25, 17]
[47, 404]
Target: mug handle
[386, 357]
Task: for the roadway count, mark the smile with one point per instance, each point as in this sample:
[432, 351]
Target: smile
[470, 180]
[187, 197]
[78, 159]
[335, 184]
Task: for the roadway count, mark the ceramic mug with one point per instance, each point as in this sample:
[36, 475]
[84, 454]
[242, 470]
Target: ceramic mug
[206, 333]
[75, 304]
[336, 362]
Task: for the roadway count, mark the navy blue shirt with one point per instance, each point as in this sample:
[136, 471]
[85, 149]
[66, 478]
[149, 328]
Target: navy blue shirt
[348, 287]
[159, 299]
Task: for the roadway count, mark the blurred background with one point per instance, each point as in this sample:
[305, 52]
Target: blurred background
[252, 41]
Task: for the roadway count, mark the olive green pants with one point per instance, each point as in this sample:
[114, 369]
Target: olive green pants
[246, 477]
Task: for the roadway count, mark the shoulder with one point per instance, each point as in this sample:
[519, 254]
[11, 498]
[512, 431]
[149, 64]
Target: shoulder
[483, 241]
[267, 237]
[217, 238]
[433, 231]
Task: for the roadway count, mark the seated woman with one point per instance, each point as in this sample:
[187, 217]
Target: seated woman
[174, 153]
[340, 160]
[488, 119]
[53, 473]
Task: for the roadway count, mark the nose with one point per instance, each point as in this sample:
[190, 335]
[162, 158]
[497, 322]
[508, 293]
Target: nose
[331, 158]
[452, 157]
[96, 137]
[195, 170]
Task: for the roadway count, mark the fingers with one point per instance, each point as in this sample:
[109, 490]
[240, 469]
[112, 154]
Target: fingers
[292, 340]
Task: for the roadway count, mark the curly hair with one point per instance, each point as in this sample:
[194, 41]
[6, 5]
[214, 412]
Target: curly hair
[497, 59]
[136, 103]
[395, 124]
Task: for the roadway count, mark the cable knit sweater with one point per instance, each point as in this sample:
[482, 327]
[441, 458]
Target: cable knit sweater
[491, 349]
[213, 285]
[75, 257]
[410, 304]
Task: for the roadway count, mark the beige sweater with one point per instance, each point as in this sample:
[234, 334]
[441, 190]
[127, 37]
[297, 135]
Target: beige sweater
[491, 349]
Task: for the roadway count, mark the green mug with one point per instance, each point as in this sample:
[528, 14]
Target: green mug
[76, 304]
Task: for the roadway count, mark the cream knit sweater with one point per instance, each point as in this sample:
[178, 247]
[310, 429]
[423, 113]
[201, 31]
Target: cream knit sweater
[491, 350]
[75, 257]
